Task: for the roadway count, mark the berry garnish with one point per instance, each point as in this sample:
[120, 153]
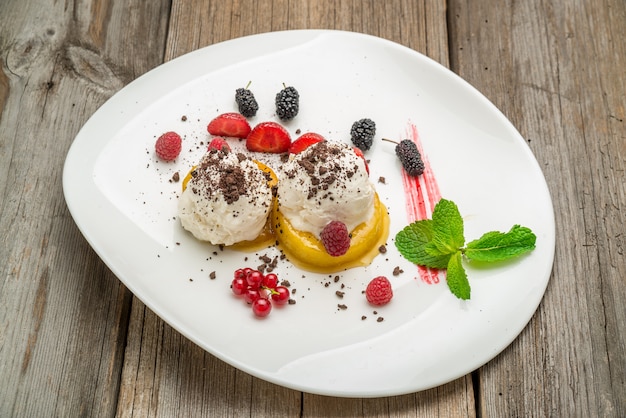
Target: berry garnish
[268, 137]
[261, 307]
[239, 285]
[246, 102]
[335, 238]
[378, 291]
[259, 290]
[280, 295]
[304, 141]
[250, 295]
[358, 152]
[218, 143]
[168, 146]
[362, 133]
[409, 156]
[254, 279]
[229, 124]
[270, 281]
[287, 103]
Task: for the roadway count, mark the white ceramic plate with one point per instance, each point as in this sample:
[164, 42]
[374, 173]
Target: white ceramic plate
[123, 202]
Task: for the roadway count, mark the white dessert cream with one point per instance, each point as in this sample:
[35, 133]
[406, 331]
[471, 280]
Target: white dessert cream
[227, 200]
[326, 182]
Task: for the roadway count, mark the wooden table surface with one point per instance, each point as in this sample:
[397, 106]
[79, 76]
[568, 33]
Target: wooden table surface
[75, 342]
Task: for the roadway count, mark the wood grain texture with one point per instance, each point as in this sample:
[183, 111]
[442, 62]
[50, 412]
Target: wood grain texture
[63, 315]
[557, 73]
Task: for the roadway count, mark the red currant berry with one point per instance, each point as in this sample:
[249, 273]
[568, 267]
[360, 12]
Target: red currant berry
[261, 307]
[270, 281]
[280, 295]
[239, 286]
[250, 295]
[254, 279]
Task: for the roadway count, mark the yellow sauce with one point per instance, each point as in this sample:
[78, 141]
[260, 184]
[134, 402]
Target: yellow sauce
[305, 250]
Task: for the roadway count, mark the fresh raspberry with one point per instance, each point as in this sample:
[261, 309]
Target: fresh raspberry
[168, 146]
[218, 143]
[378, 291]
[336, 238]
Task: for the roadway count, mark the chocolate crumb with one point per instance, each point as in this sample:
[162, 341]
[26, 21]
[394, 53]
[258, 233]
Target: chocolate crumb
[298, 131]
[375, 312]
[380, 319]
[285, 283]
[336, 279]
[382, 180]
[176, 177]
[363, 318]
[291, 302]
[340, 293]
[382, 249]
[212, 275]
[342, 306]
[397, 270]
[183, 118]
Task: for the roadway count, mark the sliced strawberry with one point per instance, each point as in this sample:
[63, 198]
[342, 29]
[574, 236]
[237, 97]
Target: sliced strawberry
[268, 137]
[219, 144]
[229, 124]
[304, 141]
[358, 152]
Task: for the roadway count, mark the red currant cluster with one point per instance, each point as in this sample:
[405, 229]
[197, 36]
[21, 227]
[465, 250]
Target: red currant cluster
[259, 290]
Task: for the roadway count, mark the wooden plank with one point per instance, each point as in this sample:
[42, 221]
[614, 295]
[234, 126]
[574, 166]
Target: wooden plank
[63, 315]
[422, 26]
[558, 73]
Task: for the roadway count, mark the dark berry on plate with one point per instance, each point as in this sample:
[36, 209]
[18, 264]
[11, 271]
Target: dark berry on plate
[287, 103]
[246, 102]
[410, 157]
[362, 133]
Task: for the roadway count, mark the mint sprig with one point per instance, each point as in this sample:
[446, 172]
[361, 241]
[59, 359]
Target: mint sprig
[440, 243]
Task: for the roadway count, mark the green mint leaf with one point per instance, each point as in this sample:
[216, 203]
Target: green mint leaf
[448, 235]
[499, 246]
[457, 278]
[412, 242]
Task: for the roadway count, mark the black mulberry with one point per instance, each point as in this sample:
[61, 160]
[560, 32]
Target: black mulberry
[246, 102]
[410, 157]
[362, 133]
[287, 103]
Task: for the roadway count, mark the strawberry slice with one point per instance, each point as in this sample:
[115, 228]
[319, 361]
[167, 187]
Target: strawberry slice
[229, 124]
[304, 141]
[268, 137]
[358, 152]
